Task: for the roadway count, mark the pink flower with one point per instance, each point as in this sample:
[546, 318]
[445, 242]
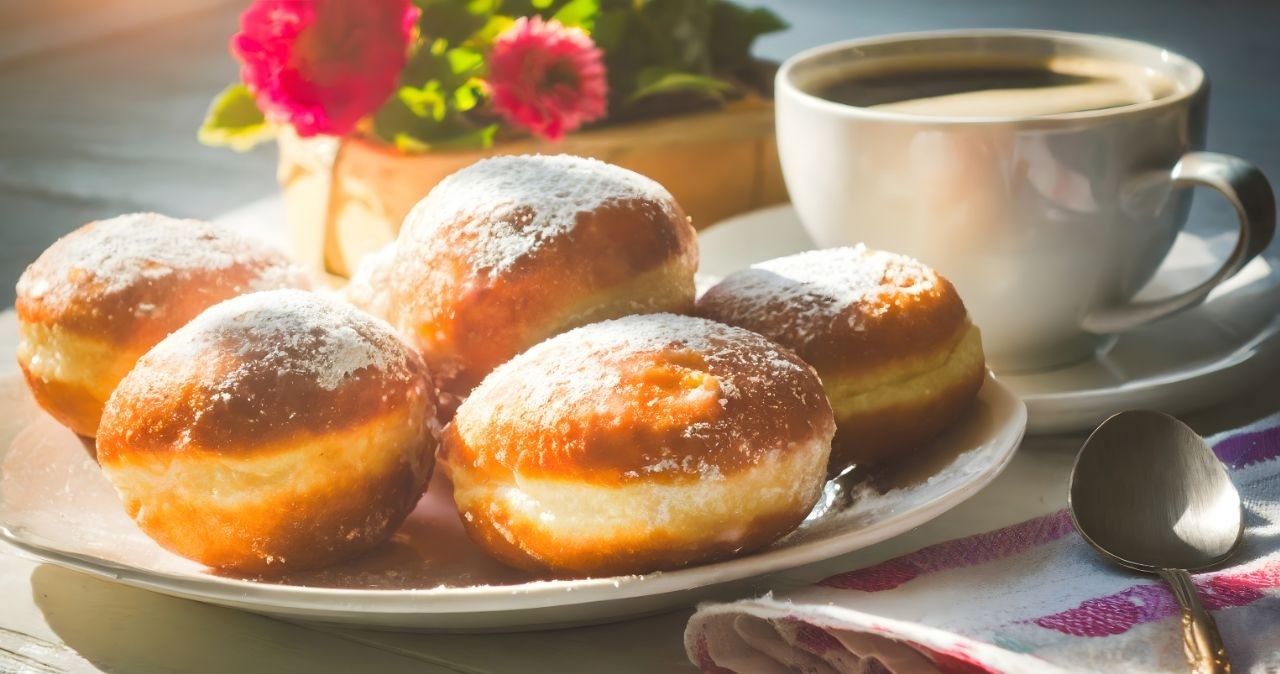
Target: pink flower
[322, 65]
[546, 77]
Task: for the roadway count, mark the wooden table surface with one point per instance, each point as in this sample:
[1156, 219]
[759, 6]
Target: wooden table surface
[98, 109]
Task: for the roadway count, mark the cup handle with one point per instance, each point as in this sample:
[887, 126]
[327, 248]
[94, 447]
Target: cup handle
[1249, 192]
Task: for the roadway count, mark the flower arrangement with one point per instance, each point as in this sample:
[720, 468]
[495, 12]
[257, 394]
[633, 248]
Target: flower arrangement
[424, 75]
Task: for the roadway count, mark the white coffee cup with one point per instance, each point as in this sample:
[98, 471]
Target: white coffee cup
[1048, 224]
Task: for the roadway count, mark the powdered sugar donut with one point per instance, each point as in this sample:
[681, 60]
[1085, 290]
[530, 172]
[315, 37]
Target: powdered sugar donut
[512, 250]
[277, 431]
[898, 356]
[99, 297]
[370, 287]
[643, 443]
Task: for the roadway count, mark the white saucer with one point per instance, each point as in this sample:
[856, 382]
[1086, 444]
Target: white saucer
[56, 505]
[1186, 362]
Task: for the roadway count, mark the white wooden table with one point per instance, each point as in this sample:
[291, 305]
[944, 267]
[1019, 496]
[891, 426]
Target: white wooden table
[97, 106]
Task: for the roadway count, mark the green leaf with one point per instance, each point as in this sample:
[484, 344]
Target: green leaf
[579, 14]
[482, 38]
[544, 8]
[427, 101]
[659, 81]
[431, 117]
[475, 139]
[234, 121]
[611, 29]
[452, 68]
[469, 95]
[680, 32]
[453, 20]
[735, 29]
[663, 34]
[464, 61]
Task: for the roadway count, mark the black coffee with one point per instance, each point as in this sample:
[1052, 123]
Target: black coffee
[995, 88]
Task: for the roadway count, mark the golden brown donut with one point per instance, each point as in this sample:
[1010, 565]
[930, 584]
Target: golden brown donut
[102, 295]
[512, 250]
[370, 287]
[890, 338]
[633, 445]
[277, 431]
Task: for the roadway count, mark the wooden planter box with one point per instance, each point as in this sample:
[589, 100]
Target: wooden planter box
[346, 197]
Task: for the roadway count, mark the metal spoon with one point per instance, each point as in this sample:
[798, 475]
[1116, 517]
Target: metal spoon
[1149, 494]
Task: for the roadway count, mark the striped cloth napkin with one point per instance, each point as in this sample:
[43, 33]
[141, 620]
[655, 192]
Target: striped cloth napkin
[1032, 597]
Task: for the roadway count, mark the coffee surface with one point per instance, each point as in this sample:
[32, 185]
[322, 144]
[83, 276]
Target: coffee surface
[996, 88]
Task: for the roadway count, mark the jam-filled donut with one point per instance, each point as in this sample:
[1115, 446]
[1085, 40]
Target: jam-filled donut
[512, 250]
[890, 338]
[277, 431]
[644, 443]
[99, 297]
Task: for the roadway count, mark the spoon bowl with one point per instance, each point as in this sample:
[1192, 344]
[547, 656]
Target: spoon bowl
[1149, 494]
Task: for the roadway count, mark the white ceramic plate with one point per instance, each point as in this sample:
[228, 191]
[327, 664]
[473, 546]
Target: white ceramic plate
[1186, 362]
[55, 504]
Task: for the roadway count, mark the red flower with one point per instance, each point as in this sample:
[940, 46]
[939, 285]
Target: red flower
[321, 65]
[546, 77]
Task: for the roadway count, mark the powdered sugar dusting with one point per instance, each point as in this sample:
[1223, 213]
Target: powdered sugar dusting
[580, 377]
[818, 287]
[291, 331]
[130, 249]
[370, 286]
[524, 202]
[593, 368]
[275, 276]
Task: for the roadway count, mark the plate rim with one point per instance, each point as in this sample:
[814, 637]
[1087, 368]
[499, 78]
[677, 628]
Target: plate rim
[1005, 436]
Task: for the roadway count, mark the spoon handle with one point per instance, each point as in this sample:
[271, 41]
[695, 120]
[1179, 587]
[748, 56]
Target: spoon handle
[1200, 637]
